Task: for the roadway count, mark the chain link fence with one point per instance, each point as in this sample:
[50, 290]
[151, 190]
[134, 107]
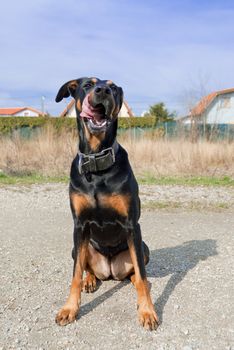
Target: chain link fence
[193, 132]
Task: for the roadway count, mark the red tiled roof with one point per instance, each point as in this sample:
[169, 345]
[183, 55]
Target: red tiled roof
[71, 103]
[7, 111]
[204, 103]
[14, 110]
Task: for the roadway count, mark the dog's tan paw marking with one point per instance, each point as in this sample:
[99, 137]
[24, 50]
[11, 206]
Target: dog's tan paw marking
[148, 319]
[89, 283]
[66, 315]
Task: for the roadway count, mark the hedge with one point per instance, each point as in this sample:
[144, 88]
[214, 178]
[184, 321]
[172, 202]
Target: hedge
[9, 124]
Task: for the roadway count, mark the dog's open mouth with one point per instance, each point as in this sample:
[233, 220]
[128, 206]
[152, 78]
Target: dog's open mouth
[95, 116]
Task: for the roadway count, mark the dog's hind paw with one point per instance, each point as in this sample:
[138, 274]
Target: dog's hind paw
[89, 283]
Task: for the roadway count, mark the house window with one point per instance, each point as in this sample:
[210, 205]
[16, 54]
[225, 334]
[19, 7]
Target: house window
[225, 102]
[26, 114]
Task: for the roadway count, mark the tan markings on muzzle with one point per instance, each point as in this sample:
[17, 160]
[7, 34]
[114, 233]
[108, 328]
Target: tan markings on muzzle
[78, 105]
[90, 96]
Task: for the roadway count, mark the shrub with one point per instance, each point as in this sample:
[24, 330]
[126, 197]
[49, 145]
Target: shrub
[9, 124]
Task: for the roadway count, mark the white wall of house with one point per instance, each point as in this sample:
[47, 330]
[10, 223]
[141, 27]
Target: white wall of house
[71, 112]
[26, 113]
[186, 120]
[123, 112]
[221, 110]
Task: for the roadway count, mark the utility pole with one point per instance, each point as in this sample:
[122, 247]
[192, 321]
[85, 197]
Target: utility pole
[43, 105]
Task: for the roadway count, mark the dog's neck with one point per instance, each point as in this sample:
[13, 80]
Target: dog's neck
[92, 143]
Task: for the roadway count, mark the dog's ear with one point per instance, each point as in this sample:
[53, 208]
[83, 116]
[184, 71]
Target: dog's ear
[68, 89]
[121, 96]
[119, 102]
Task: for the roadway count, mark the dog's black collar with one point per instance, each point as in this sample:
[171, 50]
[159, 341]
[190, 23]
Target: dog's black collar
[91, 163]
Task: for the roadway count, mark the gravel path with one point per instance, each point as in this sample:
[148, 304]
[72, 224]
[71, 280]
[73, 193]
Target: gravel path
[187, 197]
[191, 275]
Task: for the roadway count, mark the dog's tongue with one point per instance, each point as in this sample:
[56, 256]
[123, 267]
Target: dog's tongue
[90, 112]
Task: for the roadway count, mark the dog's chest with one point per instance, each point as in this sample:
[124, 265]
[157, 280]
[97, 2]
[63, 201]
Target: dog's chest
[106, 214]
[108, 234]
[101, 204]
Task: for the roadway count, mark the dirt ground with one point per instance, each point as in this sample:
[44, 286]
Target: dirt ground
[190, 271]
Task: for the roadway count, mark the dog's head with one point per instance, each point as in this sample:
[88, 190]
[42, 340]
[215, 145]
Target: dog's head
[98, 102]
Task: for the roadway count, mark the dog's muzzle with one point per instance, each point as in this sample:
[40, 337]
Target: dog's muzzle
[97, 109]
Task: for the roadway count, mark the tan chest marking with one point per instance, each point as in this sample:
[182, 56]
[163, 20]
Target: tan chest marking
[118, 202]
[80, 202]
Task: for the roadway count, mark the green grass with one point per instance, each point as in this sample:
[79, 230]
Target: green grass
[149, 179]
[30, 179]
[145, 179]
[153, 205]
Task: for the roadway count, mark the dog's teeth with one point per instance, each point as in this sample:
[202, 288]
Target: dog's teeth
[98, 124]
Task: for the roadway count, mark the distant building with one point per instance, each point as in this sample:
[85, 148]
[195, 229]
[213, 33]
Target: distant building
[20, 112]
[215, 108]
[70, 111]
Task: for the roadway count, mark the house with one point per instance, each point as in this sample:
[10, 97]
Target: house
[215, 108]
[70, 111]
[20, 112]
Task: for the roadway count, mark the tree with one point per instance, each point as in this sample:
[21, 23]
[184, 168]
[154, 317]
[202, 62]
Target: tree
[160, 113]
[197, 87]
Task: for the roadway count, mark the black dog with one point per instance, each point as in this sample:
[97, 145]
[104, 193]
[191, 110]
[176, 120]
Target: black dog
[104, 201]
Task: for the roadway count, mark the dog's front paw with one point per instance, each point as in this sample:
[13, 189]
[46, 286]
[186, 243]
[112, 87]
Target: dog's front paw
[148, 318]
[66, 315]
[89, 283]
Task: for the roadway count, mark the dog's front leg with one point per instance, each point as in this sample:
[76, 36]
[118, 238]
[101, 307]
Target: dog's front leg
[70, 310]
[146, 312]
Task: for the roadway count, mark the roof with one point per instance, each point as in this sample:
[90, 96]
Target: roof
[68, 107]
[205, 102]
[72, 102]
[14, 110]
[128, 109]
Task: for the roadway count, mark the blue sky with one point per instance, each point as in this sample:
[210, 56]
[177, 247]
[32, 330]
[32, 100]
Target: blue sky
[170, 51]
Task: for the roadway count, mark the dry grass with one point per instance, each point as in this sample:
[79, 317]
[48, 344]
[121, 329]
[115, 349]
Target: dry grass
[182, 158]
[46, 154]
[50, 155]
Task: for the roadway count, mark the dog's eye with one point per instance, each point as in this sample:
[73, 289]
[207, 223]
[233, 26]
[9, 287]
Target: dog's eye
[113, 88]
[88, 85]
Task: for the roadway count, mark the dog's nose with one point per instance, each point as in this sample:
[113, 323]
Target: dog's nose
[102, 90]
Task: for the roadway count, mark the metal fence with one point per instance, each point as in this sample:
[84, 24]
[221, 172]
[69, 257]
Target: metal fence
[195, 132]
[169, 130]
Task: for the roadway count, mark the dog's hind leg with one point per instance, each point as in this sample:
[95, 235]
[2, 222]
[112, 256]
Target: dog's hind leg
[97, 264]
[89, 284]
[122, 266]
